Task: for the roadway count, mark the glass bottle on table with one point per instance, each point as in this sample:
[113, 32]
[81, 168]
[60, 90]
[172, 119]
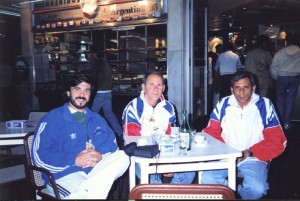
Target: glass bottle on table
[185, 134]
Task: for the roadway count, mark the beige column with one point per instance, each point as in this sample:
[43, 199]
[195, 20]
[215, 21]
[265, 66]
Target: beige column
[178, 31]
[26, 33]
[27, 39]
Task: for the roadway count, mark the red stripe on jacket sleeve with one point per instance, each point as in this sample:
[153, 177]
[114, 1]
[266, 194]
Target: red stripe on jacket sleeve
[168, 131]
[132, 129]
[214, 129]
[272, 146]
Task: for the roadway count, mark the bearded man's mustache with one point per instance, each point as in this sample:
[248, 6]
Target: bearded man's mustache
[83, 98]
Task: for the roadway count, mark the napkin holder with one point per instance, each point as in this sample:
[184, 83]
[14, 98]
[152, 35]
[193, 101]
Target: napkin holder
[17, 124]
[165, 147]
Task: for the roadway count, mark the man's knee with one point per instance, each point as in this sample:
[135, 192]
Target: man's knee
[254, 191]
[123, 159]
[207, 178]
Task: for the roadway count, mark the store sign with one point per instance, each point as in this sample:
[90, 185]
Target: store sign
[48, 4]
[89, 13]
[130, 11]
[60, 4]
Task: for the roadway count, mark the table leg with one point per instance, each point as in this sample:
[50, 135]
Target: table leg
[144, 173]
[232, 173]
[200, 176]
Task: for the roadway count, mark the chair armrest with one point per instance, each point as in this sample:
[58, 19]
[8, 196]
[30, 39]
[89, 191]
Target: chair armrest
[49, 175]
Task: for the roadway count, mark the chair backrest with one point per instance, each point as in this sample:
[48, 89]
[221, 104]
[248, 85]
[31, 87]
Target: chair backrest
[35, 176]
[181, 191]
[35, 173]
[34, 117]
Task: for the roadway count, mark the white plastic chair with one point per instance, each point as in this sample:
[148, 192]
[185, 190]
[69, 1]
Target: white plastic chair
[34, 117]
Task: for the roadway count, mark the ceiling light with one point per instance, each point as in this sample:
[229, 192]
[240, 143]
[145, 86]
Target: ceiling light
[124, 28]
[143, 3]
[9, 13]
[25, 2]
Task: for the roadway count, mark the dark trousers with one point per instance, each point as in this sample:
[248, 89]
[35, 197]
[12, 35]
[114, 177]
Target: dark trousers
[225, 85]
[286, 92]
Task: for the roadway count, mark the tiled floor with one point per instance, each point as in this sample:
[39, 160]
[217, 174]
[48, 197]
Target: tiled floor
[284, 175]
[17, 190]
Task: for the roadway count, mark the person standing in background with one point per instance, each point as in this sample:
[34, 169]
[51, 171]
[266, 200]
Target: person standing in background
[102, 73]
[210, 95]
[228, 63]
[24, 90]
[258, 61]
[214, 83]
[285, 69]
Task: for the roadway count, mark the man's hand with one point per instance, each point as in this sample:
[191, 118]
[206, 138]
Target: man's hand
[88, 158]
[245, 155]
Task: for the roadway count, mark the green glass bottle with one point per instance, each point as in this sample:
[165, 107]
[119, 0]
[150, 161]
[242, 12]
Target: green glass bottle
[185, 131]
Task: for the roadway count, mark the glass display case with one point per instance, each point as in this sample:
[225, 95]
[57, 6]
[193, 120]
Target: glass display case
[130, 50]
[61, 55]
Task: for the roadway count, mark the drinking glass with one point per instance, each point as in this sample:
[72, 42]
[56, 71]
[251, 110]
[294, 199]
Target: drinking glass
[156, 138]
[174, 132]
[182, 147]
[193, 133]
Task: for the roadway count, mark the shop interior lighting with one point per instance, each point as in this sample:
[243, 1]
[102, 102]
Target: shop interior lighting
[124, 28]
[6, 10]
[113, 7]
[114, 41]
[17, 5]
[25, 2]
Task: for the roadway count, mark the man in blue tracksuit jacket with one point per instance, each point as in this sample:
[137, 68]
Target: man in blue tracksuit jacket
[78, 147]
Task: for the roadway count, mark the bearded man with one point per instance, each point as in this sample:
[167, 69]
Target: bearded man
[78, 147]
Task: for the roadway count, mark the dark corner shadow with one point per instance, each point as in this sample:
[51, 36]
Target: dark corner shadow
[197, 123]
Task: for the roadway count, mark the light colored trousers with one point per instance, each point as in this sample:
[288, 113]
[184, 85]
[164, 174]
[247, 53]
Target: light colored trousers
[97, 183]
[178, 177]
[254, 172]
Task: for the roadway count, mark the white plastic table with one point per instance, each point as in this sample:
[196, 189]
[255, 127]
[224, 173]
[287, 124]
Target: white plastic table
[210, 155]
[13, 136]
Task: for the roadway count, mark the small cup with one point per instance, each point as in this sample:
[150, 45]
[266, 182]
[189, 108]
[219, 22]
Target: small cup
[174, 132]
[199, 139]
